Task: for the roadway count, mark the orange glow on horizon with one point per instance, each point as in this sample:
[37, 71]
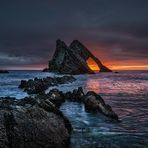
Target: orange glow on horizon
[92, 64]
[99, 50]
[130, 67]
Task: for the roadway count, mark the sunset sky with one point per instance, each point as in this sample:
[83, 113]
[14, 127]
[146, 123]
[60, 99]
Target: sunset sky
[115, 31]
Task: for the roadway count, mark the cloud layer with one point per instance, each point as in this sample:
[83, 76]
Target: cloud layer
[115, 30]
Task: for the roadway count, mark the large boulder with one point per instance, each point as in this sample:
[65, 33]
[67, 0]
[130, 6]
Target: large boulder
[30, 123]
[94, 103]
[73, 59]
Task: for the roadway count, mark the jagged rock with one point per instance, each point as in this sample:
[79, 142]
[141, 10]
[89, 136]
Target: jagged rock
[73, 59]
[56, 97]
[75, 95]
[94, 102]
[38, 86]
[32, 124]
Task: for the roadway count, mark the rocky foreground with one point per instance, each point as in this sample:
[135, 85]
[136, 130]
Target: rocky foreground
[36, 121]
[32, 123]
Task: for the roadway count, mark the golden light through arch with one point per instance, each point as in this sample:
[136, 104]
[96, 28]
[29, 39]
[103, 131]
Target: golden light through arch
[92, 64]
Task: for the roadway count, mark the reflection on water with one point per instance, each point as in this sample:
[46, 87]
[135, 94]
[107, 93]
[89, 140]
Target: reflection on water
[126, 92]
[92, 85]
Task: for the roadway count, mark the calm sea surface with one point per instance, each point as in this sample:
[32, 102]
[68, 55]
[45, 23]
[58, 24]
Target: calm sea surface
[126, 92]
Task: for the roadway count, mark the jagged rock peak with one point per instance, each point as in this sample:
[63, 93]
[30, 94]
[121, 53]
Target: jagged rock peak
[60, 43]
[73, 59]
[76, 43]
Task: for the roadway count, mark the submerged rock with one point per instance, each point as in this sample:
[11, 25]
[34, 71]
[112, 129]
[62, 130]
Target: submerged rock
[73, 59]
[32, 124]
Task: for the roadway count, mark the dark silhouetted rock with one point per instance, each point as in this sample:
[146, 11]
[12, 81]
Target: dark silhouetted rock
[45, 70]
[73, 59]
[4, 71]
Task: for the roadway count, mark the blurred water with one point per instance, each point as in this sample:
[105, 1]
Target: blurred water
[126, 92]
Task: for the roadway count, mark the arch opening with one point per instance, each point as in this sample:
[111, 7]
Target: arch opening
[92, 64]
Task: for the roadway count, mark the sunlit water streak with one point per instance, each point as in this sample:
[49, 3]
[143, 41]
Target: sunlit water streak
[126, 92]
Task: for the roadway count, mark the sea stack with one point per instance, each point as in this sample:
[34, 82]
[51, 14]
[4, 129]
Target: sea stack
[73, 59]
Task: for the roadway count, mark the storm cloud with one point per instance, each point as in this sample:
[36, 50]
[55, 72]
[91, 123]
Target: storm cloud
[112, 29]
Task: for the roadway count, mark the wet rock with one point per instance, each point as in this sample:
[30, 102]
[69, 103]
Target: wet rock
[56, 97]
[94, 102]
[6, 102]
[32, 124]
[23, 84]
[38, 86]
[68, 95]
[75, 95]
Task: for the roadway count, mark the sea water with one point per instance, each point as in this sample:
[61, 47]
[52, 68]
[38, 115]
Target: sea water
[126, 92]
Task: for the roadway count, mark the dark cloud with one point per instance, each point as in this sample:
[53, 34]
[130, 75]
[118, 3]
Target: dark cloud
[29, 28]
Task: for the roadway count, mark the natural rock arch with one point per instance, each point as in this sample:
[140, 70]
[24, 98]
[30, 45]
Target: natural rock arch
[92, 64]
[73, 59]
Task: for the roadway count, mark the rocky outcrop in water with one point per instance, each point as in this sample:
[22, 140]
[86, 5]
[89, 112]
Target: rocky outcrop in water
[4, 71]
[73, 59]
[92, 101]
[35, 122]
[36, 86]
[32, 123]
[45, 70]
